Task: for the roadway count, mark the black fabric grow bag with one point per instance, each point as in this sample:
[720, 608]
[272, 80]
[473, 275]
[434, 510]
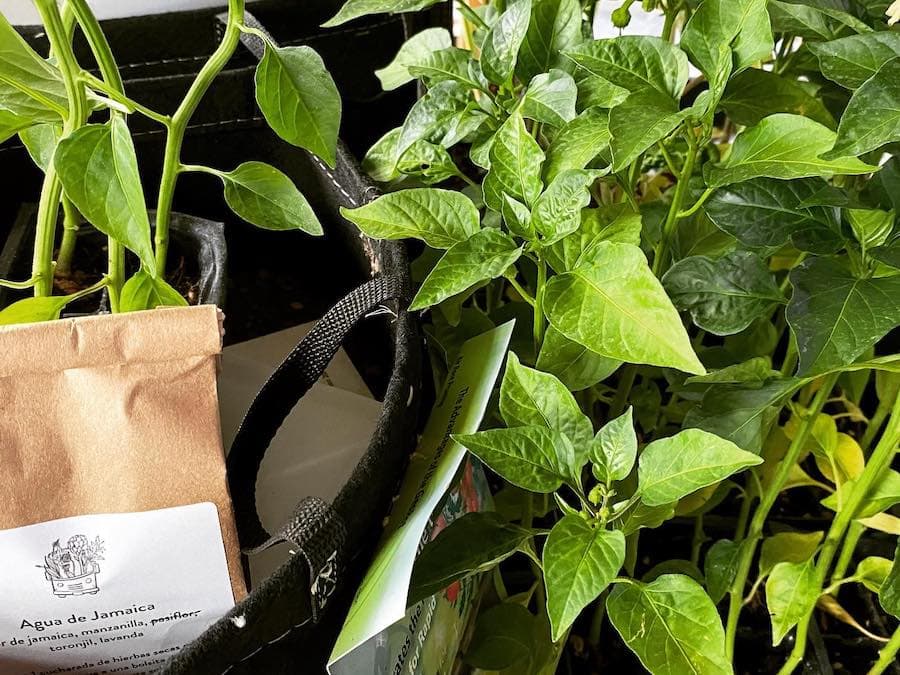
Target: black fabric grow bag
[280, 279]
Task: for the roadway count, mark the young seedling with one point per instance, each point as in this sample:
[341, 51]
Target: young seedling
[75, 126]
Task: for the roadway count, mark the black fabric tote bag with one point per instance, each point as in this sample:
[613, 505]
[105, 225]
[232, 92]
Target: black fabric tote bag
[287, 624]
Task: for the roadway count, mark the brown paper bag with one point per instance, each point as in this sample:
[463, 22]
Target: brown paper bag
[113, 414]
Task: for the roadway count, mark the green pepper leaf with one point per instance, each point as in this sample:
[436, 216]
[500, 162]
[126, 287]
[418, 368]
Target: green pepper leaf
[40, 140]
[756, 93]
[578, 143]
[720, 567]
[557, 212]
[448, 65]
[812, 21]
[741, 26]
[783, 146]
[872, 118]
[550, 98]
[837, 316]
[741, 413]
[872, 572]
[640, 122]
[529, 397]
[515, 165]
[434, 115]
[790, 547]
[501, 45]
[674, 467]
[31, 89]
[262, 195]
[440, 218]
[635, 63]
[473, 543]
[576, 366]
[484, 255]
[534, 457]
[33, 310]
[614, 449]
[767, 213]
[299, 99]
[503, 638]
[852, 60]
[616, 307]
[671, 624]
[726, 295]
[353, 9]
[889, 595]
[554, 27]
[142, 292]
[414, 51]
[98, 169]
[791, 591]
[616, 222]
[580, 560]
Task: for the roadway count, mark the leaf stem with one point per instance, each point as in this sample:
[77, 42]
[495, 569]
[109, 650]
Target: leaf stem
[526, 296]
[696, 207]
[767, 501]
[97, 84]
[888, 654]
[18, 285]
[69, 236]
[879, 462]
[179, 123]
[626, 382]
[472, 17]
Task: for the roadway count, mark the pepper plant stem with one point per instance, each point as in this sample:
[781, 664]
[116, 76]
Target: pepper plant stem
[766, 502]
[539, 303]
[51, 190]
[661, 252]
[179, 124]
[888, 655]
[109, 70]
[878, 463]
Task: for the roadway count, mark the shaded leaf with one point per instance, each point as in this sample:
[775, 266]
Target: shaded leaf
[503, 638]
[756, 93]
[852, 60]
[767, 213]
[790, 547]
[642, 120]
[299, 99]
[836, 316]
[720, 567]
[472, 543]
[726, 295]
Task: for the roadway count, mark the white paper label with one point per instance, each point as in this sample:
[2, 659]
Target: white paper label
[112, 593]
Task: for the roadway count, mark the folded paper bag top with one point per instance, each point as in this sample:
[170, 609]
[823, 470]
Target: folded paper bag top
[113, 414]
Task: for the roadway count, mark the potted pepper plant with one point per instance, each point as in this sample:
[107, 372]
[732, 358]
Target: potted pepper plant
[697, 427]
[74, 124]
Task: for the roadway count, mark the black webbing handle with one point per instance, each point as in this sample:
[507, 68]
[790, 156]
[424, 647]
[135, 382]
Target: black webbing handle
[315, 529]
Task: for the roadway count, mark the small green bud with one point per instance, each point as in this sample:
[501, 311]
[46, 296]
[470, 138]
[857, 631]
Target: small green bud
[649, 5]
[621, 17]
[595, 496]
